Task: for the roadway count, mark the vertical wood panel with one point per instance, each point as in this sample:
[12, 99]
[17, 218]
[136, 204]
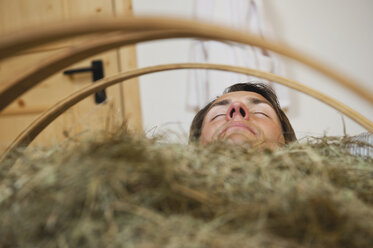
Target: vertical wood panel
[16, 14]
[86, 115]
[127, 60]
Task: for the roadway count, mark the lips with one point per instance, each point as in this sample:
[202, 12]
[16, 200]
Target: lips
[238, 125]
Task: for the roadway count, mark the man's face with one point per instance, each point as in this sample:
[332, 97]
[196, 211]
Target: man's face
[242, 117]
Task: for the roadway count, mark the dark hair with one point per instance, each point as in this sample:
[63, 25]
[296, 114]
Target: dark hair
[260, 88]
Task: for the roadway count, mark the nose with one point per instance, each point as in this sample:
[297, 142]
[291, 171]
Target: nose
[237, 109]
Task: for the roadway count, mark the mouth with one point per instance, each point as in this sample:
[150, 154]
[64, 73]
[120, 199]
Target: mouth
[239, 125]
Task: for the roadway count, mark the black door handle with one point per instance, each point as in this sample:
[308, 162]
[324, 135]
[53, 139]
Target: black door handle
[97, 70]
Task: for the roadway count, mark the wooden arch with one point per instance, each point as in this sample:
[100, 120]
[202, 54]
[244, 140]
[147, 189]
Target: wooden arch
[141, 29]
[168, 27]
[28, 135]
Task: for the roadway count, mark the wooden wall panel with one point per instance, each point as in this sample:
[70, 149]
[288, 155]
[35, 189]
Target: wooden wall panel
[16, 14]
[127, 60]
[86, 115]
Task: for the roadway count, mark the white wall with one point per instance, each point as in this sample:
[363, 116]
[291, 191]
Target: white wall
[338, 32]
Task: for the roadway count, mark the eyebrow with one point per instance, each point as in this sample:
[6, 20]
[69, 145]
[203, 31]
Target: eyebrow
[221, 103]
[255, 100]
[252, 100]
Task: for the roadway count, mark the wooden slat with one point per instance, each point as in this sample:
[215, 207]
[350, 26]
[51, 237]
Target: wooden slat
[35, 74]
[37, 126]
[16, 42]
[127, 60]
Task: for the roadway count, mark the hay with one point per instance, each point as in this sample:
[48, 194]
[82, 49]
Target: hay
[125, 191]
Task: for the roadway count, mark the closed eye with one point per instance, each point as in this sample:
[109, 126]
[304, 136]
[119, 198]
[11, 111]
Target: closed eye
[216, 116]
[262, 113]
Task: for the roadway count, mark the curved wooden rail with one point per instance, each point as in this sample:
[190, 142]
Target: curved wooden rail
[16, 42]
[25, 138]
[21, 83]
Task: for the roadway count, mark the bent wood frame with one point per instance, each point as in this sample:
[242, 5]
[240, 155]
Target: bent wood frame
[171, 28]
[26, 137]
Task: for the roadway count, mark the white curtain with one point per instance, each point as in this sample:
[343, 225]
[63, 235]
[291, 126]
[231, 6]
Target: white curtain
[205, 85]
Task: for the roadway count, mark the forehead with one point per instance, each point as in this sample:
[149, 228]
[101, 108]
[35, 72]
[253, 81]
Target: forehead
[241, 96]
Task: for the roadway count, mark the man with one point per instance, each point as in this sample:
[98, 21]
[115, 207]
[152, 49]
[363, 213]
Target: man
[247, 113]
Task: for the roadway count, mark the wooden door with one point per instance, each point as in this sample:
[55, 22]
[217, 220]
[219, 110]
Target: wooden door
[122, 100]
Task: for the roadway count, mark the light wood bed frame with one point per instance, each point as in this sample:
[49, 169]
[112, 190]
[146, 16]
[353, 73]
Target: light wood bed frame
[126, 31]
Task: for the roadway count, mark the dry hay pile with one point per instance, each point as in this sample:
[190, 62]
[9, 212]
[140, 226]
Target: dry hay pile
[125, 191]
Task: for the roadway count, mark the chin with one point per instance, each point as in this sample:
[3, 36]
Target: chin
[240, 140]
[244, 140]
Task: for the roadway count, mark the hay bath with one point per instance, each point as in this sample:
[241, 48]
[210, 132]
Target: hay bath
[126, 191]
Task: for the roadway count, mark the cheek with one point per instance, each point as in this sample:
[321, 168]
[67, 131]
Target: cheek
[205, 134]
[208, 132]
[273, 131]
